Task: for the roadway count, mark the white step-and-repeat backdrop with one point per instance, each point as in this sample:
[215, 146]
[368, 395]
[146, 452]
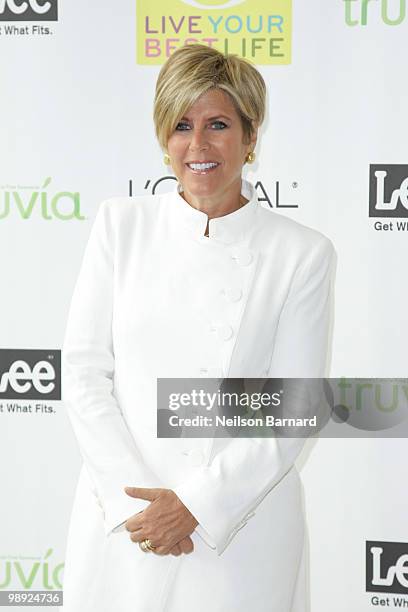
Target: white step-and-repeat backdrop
[77, 85]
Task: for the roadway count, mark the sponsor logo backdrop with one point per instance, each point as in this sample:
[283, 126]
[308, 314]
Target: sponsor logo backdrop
[77, 88]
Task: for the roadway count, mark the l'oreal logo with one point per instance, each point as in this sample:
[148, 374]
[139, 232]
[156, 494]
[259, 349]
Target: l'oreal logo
[273, 200]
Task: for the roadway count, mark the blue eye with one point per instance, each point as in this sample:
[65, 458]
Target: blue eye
[182, 126]
[221, 124]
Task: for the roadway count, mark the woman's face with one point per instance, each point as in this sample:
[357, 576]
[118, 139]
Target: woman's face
[209, 133]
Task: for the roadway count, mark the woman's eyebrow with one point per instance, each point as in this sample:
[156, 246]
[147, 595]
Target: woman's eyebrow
[220, 116]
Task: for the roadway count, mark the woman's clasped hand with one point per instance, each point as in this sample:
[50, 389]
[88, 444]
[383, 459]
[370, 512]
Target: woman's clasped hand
[166, 522]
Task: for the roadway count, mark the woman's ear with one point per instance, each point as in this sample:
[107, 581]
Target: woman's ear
[254, 135]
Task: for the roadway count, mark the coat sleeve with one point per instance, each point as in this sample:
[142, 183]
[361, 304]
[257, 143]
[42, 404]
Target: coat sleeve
[105, 442]
[223, 495]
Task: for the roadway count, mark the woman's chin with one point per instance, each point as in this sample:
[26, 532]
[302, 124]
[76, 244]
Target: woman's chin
[202, 189]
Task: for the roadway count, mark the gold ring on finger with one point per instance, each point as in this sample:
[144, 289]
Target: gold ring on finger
[149, 544]
[146, 545]
[143, 546]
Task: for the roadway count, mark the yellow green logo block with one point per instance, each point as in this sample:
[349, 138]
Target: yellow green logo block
[259, 30]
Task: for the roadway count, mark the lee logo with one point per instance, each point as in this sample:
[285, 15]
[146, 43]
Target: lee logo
[28, 10]
[30, 374]
[387, 567]
[388, 190]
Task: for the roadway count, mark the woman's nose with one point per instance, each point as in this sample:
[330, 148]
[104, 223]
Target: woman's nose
[198, 140]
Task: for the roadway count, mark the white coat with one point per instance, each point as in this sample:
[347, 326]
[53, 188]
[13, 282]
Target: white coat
[156, 298]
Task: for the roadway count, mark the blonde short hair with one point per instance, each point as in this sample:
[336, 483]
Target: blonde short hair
[194, 69]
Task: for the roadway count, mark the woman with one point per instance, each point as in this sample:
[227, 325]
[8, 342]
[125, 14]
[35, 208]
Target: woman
[203, 281]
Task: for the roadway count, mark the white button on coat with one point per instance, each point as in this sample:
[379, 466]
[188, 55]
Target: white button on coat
[137, 313]
[234, 294]
[243, 256]
[196, 457]
[211, 372]
[225, 332]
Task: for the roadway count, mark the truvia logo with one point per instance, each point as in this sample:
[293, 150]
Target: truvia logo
[25, 201]
[29, 10]
[387, 567]
[30, 572]
[362, 12]
[30, 374]
[388, 190]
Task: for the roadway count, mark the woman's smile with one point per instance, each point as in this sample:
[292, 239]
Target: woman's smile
[202, 168]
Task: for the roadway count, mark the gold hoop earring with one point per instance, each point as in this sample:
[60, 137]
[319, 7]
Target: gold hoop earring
[250, 158]
[166, 159]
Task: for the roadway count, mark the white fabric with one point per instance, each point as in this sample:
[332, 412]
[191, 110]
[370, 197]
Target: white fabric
[153, 299]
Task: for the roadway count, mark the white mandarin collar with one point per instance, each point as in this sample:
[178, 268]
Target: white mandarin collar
[229, 228]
